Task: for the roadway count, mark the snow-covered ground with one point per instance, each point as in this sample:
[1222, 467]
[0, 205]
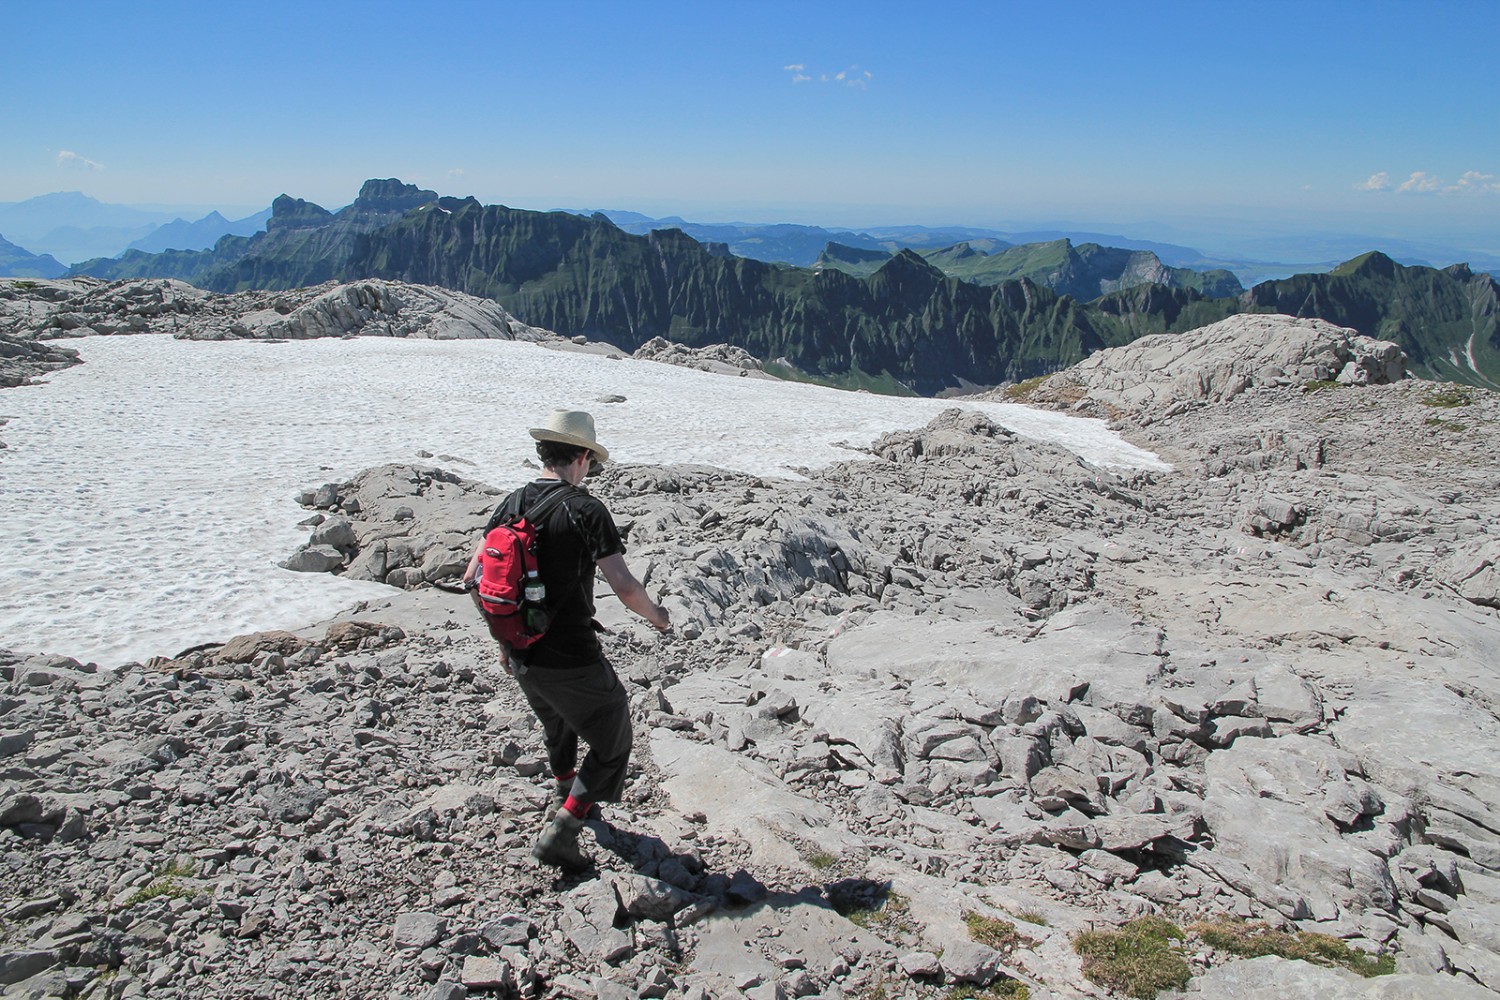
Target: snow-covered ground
[147, 495]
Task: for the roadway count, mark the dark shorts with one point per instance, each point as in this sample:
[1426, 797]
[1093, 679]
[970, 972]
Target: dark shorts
[586, 703]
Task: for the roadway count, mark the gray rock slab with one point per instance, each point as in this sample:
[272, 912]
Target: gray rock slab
[744, 799]
[418, 929]
[1263, 802]
[819, 936]
[1257, 978]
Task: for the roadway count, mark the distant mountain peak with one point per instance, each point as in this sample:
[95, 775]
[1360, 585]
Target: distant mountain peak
[1373, 263]
[392, 195]
[295, 213]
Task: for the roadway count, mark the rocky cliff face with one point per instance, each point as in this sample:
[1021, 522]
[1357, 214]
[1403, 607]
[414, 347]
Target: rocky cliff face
[1084, 272]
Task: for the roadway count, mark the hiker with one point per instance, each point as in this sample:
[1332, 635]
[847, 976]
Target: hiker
[570, 685]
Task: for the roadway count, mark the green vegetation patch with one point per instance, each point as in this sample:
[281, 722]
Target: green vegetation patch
[872, 906]
[821, 860]
[1447, 425]
[1252, 940]
[1448, 398]
[1005, 989]
[1139, 960]
[162, 888]
[889, 914]
[1022, 390]
[1318, 385]
[1000, 935]
[167, 886]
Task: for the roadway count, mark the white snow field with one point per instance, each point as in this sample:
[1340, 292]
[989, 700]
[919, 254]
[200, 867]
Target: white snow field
[147, 495]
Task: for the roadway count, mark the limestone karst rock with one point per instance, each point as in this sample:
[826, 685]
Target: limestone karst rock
[963, 674]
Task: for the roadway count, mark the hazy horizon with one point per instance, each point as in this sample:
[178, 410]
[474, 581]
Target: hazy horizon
[1263, 240]
[1206, 118]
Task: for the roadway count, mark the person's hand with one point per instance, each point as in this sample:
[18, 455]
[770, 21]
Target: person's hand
[663, 622]
[506, 664]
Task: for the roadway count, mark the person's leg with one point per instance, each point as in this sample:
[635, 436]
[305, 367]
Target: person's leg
[592, 703]
[601, 719]
[558, 737]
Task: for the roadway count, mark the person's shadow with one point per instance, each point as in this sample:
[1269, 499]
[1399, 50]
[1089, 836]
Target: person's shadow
[706, 892]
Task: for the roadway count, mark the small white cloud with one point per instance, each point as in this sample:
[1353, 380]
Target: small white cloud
[851, 76]
[456, 172]
[1420, 180]
[67, 158]
[1475, 182]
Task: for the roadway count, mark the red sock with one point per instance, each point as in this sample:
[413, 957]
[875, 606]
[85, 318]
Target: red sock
[578, 807]
[567, 777]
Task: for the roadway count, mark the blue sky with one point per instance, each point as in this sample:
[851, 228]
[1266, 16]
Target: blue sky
[1371, 117]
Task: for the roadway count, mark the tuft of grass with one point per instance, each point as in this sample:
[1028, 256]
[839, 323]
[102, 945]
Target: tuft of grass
[1140, 959]
[890, 913]
[1447, 425]
[1005, 989]
[822, 860]
[166, 885]
[1448, 398]
[1023, 389]
[162, 888]
[1318, 385]
[1252, 940]
[1000, 935]
[25, 285]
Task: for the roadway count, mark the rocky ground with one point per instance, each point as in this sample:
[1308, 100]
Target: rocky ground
[928, 717]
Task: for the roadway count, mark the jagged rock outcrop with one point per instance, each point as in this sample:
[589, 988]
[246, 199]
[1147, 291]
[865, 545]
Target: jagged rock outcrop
[721, 359]
[1446, 320]
[1162, 375]
[80, 307]
[23, 361]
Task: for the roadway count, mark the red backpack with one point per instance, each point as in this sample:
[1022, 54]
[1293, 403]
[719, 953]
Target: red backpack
[510, 593]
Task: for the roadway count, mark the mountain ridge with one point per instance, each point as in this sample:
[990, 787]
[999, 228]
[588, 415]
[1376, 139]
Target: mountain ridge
[1084, 272]
[906, 323]
[18, 262]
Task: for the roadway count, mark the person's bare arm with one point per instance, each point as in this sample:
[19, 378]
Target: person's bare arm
[472, 570]
[632, 594]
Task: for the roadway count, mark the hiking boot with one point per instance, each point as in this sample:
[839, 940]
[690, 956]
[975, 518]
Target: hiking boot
[558, 844]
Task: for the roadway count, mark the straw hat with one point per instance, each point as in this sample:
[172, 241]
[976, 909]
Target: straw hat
[571, 427]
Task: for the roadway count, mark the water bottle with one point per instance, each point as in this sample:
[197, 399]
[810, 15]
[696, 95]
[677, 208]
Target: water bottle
[535, 591]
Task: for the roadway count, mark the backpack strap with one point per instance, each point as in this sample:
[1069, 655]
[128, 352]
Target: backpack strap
[513, 508]
[544, 506]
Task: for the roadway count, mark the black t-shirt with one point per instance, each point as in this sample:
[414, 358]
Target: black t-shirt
[576, 533]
